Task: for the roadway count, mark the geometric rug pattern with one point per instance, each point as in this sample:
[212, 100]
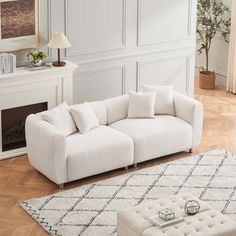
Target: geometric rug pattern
[91, 210]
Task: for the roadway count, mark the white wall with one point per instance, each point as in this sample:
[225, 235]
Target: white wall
[218, 57]
[121, 44]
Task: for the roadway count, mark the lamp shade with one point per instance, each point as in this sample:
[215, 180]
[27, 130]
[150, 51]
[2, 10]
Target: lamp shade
[59, 40]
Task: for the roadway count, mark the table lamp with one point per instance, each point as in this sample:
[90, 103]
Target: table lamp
[59, 41]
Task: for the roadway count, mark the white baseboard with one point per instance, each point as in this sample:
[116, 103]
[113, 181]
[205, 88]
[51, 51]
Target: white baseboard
[221, 76]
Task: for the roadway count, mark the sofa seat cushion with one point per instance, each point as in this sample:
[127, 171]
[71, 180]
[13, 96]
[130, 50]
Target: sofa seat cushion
[102, 149]
[157, 137]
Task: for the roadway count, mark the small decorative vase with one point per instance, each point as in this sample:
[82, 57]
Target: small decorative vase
[37, 63]
[191, 207]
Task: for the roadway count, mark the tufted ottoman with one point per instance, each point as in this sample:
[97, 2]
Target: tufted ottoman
[208, 222]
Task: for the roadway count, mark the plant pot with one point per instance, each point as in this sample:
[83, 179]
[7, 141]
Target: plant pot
[37, 63]
[207, 79]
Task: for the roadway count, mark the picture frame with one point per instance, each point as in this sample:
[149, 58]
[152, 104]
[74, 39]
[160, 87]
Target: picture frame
[19, 25]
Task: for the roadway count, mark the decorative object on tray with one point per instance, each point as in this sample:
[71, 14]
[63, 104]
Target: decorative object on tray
[36, 58]
[44, 66]
[7, 63]
[166, 214]
[19, 22]
[59, 41]
[156, 220]
[191, 207]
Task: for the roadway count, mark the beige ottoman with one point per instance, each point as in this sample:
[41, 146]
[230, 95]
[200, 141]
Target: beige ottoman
[134, 221]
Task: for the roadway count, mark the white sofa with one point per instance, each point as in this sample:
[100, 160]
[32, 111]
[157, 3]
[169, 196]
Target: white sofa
[117, 142]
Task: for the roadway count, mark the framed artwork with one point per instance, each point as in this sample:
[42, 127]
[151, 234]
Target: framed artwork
[19, 24]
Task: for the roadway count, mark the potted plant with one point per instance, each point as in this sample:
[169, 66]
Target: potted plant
[212, 20]
[36, 57]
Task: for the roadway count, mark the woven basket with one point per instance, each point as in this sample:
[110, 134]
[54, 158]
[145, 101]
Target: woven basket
[207, 80]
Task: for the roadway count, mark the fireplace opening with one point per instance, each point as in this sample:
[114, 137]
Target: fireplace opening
[13, 124]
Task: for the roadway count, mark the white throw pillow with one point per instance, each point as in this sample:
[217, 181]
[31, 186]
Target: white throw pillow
[61, 118]
[164, 104]
[141, 105]
[84, 117]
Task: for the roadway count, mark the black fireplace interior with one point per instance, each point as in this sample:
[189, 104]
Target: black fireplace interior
[13, 124]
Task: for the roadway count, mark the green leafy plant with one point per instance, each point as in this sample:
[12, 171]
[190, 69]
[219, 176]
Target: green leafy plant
[36, 56]
[212, 19]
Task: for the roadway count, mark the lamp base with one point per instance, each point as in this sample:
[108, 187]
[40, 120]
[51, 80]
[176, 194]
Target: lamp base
[58, 64]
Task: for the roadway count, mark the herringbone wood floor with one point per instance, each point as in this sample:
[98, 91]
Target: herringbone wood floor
[19, 181]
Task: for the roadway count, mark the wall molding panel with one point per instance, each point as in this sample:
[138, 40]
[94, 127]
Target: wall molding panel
[101, 82]
[108, 46]
[154, 74]
[144, 39]
[115, 42]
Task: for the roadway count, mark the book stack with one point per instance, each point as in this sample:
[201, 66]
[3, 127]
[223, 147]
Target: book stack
[156, 220]
[7, 63]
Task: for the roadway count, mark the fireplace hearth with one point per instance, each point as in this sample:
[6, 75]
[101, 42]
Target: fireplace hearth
[13, 124]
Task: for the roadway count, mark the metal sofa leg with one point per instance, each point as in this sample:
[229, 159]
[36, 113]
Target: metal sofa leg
[135, 165]
[61, 186]
[126, 168]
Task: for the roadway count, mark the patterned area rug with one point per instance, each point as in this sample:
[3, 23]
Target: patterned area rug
[91, 209]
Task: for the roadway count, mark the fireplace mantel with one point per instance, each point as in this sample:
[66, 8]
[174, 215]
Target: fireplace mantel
[53, 85]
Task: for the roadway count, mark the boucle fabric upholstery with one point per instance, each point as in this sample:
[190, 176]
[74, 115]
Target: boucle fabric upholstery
[62, 160]
[208, 222]
[100, 150]
[156, 137]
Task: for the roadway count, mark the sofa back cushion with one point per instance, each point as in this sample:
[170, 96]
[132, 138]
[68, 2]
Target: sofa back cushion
[164, 104]
[61, 118]
[117, 108]
[100, 111]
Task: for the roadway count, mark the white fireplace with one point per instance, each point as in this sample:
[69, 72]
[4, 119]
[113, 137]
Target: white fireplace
[24, 92]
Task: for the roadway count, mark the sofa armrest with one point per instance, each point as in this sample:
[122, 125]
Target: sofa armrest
[190, 110]
[46, 148]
